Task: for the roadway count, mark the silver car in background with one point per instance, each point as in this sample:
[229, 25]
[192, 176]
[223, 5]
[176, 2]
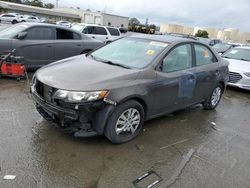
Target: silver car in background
[41, 44]
[239, 67]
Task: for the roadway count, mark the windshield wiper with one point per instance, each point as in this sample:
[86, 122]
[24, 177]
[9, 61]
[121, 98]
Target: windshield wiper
[226, 57]
[109, 62]
[244, 59]
[116, 64]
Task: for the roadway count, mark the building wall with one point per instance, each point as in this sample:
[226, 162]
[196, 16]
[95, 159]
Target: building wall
[115, 21]
[171, 28]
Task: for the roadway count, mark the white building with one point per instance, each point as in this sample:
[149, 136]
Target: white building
[98, 17]
[67, 14]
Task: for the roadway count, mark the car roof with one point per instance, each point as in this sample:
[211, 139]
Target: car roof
[162, 38]
[30, 24]
[84, 24]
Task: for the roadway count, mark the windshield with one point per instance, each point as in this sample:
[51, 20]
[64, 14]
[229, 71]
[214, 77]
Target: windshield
[11, 32]
[238, 53]
[221, 47]
[130, 52]
[77, 27]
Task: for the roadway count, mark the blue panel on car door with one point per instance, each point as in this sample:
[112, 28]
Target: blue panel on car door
[186, 86]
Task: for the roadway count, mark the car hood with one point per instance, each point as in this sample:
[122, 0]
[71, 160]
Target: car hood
[238, 65]
[81, 73]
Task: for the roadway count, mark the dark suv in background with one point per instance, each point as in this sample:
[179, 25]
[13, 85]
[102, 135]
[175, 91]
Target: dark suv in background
[114, 89]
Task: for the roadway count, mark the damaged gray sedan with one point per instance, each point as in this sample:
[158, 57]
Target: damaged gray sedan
[115, 89]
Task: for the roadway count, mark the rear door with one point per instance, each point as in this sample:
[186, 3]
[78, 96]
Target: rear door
[207, 71]
[175, 80]
[67, 44]
[37, 47]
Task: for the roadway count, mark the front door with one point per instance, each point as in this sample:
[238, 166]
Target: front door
[176, 80]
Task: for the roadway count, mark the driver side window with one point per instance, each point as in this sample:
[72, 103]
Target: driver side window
[180, 58]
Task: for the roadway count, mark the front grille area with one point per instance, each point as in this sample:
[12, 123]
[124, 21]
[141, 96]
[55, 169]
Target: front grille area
[44, 91]
[234, 77]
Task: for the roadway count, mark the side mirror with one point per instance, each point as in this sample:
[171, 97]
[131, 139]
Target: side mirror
[21, 35]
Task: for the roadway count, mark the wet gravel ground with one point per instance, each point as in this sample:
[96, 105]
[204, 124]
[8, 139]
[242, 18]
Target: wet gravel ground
[190, 148]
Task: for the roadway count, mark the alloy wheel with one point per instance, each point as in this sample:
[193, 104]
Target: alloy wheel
[128, 122]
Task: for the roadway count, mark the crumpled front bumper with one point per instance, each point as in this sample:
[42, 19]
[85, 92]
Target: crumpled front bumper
[72, 121]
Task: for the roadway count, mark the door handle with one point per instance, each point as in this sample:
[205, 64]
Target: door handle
[93, 37]
[49, 46]
[107, 38]
[78, 45]
[191, 78]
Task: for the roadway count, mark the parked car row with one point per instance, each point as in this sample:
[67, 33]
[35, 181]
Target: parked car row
[124, 83]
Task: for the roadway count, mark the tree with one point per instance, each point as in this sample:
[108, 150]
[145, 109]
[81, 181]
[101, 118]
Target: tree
[35, 3]
[152, 26]
[13, 1]
[202, 33]
[134, 21]
[49, 6]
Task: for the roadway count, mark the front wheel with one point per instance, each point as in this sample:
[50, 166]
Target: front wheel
[214, 99]
[125, 122]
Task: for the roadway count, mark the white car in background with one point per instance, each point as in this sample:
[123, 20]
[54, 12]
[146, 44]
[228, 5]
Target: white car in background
[64, 23]
[12, 18]
[239, 67]
[105, 34]
[30, 19]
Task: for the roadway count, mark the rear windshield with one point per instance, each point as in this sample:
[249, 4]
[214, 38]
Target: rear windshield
[130, 52]
[11, 32]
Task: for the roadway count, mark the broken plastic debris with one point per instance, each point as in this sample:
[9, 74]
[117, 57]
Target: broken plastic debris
[213, 123]
[9, 177]
[139, 147]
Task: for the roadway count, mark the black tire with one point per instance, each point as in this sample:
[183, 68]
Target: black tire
[0, 21]
[110, 131]
[208, 104]
[14, 22]
[23, 21]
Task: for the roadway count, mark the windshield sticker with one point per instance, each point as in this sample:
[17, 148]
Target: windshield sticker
[150, 52]
[233, 52]
[206, 54]
[161, 44]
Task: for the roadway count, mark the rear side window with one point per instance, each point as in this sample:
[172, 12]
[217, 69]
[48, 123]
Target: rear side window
[100, 31]
[113, 31]
[203, 55]
[180, 58]
[40, 33]
[6, 15]
[88, 30]
[62, 34]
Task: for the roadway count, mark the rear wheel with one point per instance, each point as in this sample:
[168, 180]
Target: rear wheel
[214, 98]
[125, 123]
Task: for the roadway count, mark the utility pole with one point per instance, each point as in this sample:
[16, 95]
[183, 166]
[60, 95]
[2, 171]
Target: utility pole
[57, 3]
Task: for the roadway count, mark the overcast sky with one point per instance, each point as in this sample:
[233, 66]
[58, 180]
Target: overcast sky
[204, 13]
